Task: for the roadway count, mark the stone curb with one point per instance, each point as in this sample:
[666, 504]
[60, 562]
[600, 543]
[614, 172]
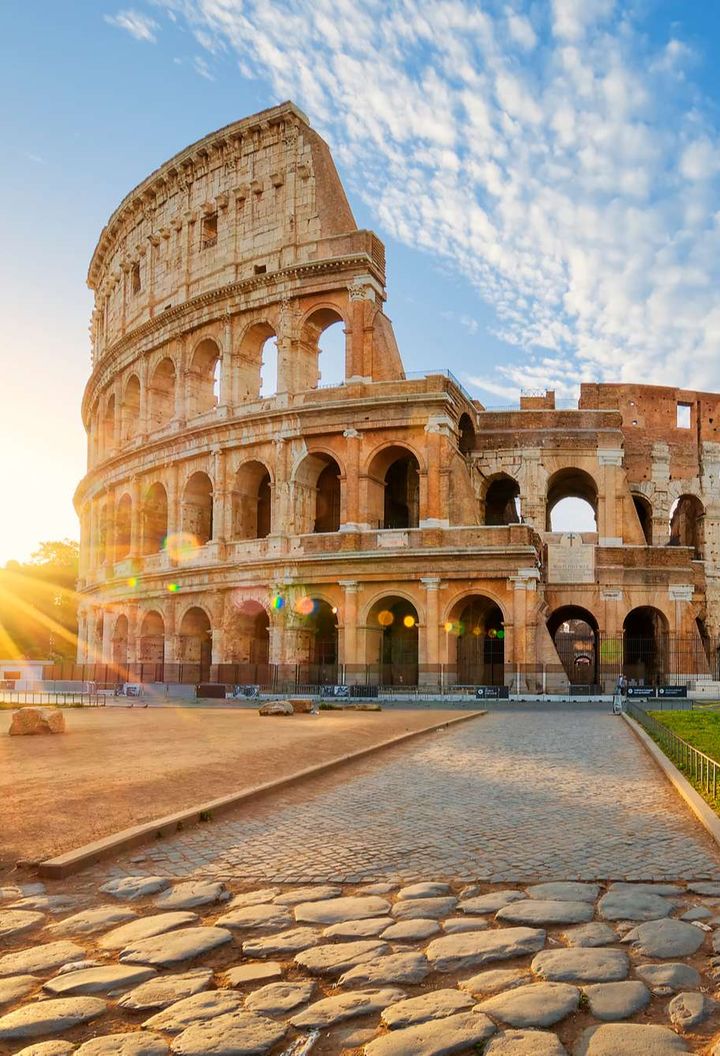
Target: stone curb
[88, 854]
[702, 810]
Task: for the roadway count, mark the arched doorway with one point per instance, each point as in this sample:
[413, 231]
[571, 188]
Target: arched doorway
[120, 648]
[123, 522]
[394, 489]
[322, 625]
[196, 642]
[247, 643]
[151, 641]
[572, 502]
[477, 628]
[393, 641]
[645, 646]
[575, 634]
[154, 519]
[108, 428]
[466, 439]
[687, 524]
[502, 501]
[252, 502]
[317, 494]
[322, 350]
[643, 509]
[203, 378]
[197, 508]
[131, 408]
[162, 394]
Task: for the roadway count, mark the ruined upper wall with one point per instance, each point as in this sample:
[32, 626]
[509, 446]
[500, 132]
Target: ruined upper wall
[251, 199]
[658, 420]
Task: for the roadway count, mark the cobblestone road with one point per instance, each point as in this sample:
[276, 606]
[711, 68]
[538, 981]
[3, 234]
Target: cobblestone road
[522, 794]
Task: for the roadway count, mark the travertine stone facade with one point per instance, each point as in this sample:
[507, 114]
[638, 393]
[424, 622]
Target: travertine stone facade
[388, 524]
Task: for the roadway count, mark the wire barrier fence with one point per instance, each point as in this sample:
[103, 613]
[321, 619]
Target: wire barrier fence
[701, 769]
[20, 698]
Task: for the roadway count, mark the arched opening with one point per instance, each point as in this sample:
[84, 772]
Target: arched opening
[248, 634]
[394, 489]
[108, 427]
[151, 641]
[645, 646]
[196, 641]
[644, 512]
[317, 494]
[269, 367]
[687, 518]
[393, 641]
[252, 502]
[476, 635]
[154, 519]
[575, 634]
[120, 648]
[572, 502]
[466, 439]
[322, 350]
[203, 377]
[502, 501]
[197, 508]
[123, 527]
[321, 632]
[162, 394]
[131, 408]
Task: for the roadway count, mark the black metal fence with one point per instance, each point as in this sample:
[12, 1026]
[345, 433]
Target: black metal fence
[700, 768]
[19, 698]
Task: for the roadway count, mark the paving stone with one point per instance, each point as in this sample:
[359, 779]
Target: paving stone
[592, 934]
[335, 910]
[495, 980]
[131, 887]
[518, 1042]
[453, 924]
[346, 1006]
[424, 908]
[192, 893]
[665, 938]
[253, 898]
[48, 1048]
[410, 968]
[79, 966]
[434, 1005]
[110, 979]
[15, 987]
[243, 974]
[124, 1045]
[491, 902]
[49, 903]
[314, 893]
[452, 953]
[144, 928]
[412, 930]
[424, 890]
[559, 891]
[198, 1008]
[17, 921]
[358, 929]
[666, 890]
[376, 889]
[88, 921]
[712, 890]
[696, 913]
[239, 1033]
[291, 941]
[581, 964]
[665, 978]
[263, 918]
[276, 999]
[39, 959]
[545, 911]
[49, 1017]
[175, 946]
[354, 1037]
[628, 1039]
[436, 1037]
[536, 1005]
[634, 905]
[688, 1010]
[339, 957]
[166, 990]
[617, 1000]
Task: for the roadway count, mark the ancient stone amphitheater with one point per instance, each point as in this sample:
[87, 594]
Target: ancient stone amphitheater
[245, 521]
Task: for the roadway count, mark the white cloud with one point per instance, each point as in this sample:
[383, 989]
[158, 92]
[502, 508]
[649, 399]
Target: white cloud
[541, 150]
[138, 25]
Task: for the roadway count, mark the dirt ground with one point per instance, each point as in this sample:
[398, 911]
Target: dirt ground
[116, 767]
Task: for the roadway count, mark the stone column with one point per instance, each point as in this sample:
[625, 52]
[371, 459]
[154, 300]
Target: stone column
[609, 530]
[135, 518]
[82, 636]
[517, 651]
[351, 507]
[432, 622]
[350, 618]
[173, 499]
[219, 495]
[433, 512]
[107, 638]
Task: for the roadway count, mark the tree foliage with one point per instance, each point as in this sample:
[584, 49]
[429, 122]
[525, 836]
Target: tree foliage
[38, 604]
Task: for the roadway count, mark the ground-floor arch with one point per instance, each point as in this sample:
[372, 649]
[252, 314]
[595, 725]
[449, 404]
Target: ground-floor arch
[475, 638]
[120, 647]
[575, 634]
[195, 644]
[645, 646]
[151, 640]
[392, 637]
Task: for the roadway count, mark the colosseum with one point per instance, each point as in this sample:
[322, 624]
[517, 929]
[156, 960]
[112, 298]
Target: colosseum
[246, 519]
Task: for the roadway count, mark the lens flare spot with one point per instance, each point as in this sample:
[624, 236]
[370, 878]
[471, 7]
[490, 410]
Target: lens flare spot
[409, 620]
[173, 587]
[385, 618]
[132, 582]
[305, 606]
[181, 546]
[277, 602]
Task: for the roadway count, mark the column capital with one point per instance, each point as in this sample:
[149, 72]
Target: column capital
[430, 582]
[350, 586]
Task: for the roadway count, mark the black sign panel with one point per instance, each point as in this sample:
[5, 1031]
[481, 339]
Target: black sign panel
[641, 691]
[335, 691]
[492, 692]
[672, 691]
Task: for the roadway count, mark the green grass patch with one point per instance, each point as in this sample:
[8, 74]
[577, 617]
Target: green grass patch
[701, 729]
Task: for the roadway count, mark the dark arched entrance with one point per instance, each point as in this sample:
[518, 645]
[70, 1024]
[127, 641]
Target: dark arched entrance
[574, 632]
[645, 646]
[480, 631]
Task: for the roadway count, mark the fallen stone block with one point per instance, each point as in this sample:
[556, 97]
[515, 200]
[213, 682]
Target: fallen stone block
[29, 721]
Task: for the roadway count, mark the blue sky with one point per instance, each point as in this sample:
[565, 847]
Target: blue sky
[544, 175]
